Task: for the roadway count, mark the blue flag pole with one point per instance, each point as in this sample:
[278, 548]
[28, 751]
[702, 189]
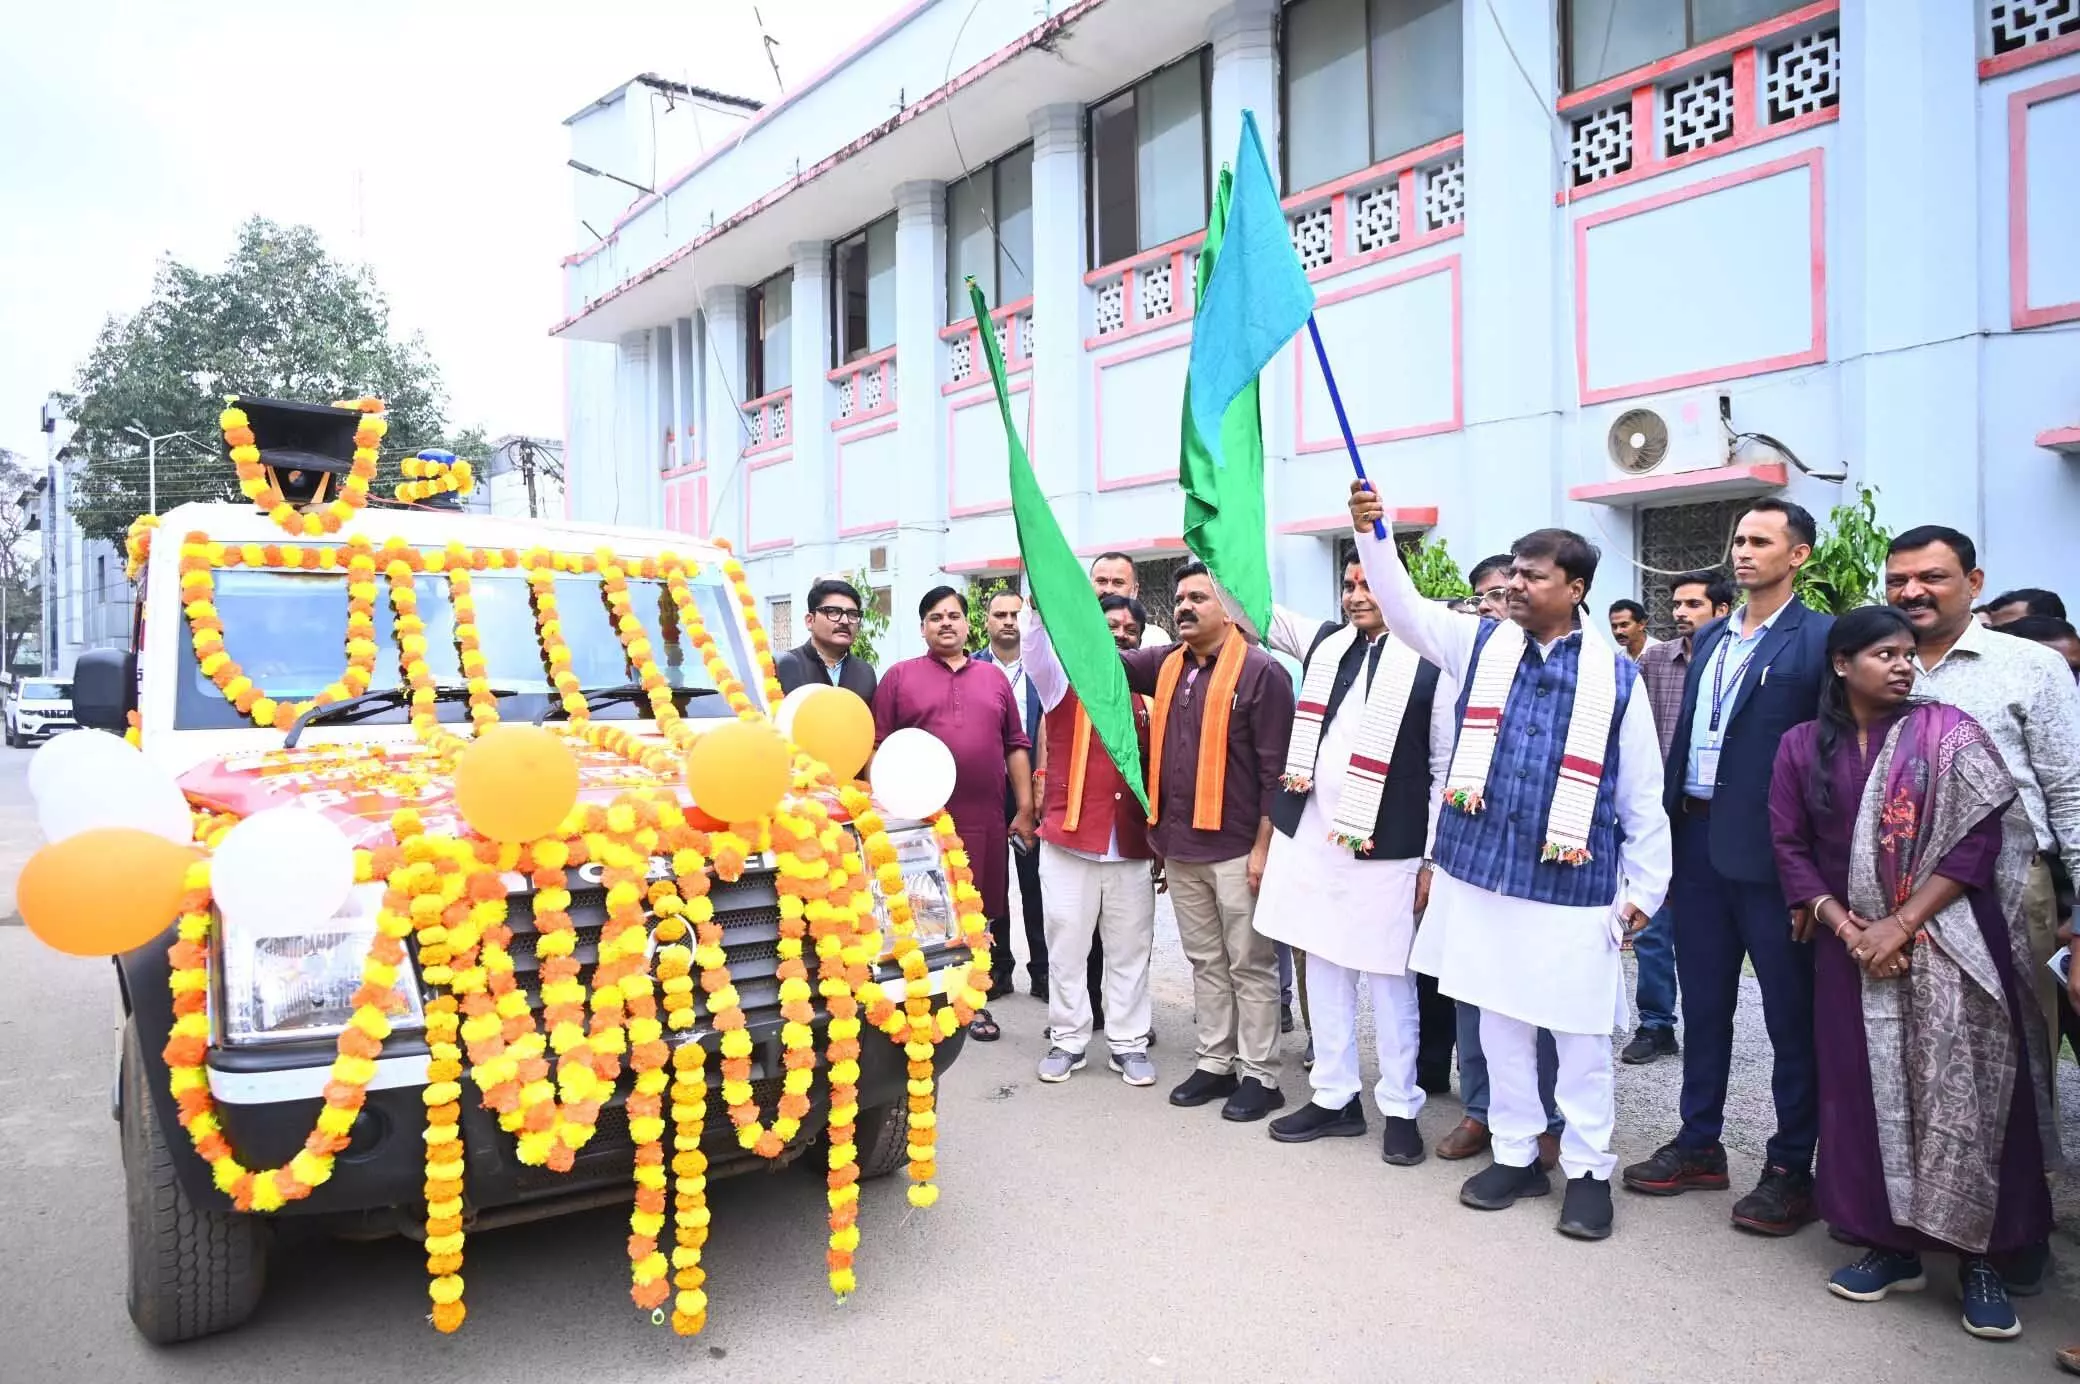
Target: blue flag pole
[1314, 334]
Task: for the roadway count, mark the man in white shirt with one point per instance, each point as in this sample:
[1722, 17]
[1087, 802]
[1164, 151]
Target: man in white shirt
[1000, 622]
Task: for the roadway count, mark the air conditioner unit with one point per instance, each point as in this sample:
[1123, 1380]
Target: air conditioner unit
[1666, 437]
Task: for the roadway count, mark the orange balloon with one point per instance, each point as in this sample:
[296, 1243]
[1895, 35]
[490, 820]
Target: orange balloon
[104, 891]
[835, 725]
[739, 771]
[516, 783]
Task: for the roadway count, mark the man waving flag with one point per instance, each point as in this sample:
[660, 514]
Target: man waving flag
[1253, 296]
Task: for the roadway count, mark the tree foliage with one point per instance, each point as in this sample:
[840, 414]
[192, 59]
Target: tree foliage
[19, 572]
[281, 319]
[1847, 568]
[873, 624]
[1432, 569]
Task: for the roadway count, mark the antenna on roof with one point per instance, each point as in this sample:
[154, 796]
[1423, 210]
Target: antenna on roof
[772, 45]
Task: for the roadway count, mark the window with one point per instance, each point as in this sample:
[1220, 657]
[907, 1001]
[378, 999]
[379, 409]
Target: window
[768, 342]
[1398, 61]
[863, 292]
[780, 620]
[1679, 539]
[1150, 162]
[1000, 195]
[1606, 37]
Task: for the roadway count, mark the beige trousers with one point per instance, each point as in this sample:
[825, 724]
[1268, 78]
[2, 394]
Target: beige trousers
[1234, 968]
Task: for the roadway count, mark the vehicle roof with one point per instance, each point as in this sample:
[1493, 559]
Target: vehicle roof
[429, 528]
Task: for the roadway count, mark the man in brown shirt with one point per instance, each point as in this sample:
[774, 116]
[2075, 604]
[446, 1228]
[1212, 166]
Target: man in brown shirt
[1220, 722]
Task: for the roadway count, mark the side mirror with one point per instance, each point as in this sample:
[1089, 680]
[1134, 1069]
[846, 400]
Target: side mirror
[104, 687]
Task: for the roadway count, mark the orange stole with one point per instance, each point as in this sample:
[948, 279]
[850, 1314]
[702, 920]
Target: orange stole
[1211, 790]
[1079, 763]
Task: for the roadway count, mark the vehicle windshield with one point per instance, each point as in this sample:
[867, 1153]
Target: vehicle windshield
[46, 691]
[288, 631]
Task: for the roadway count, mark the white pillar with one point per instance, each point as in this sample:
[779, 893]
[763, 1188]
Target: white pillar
[815, 481]
[1062, 443]
[637, 497]
[722, 314]
[1513, 280]
[920, 545]
[1903, 264]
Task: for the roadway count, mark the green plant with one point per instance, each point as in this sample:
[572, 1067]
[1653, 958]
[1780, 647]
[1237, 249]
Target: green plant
[873, 619]
[1847, 568]
[1431, 568]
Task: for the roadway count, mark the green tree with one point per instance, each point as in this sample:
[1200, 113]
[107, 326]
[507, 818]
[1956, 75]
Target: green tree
[281, 319]
[1431, 568]
[19, 566]
[873, 622]
[1847, 568]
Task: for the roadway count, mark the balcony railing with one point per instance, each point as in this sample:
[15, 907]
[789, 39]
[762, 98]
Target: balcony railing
[1759, 84]
[769, 421]
[1388, 209]
[2020, 33]
[866, 388]
[1013, 324]
[1151, 291]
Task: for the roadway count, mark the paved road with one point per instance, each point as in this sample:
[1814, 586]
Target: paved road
[1087, 1232]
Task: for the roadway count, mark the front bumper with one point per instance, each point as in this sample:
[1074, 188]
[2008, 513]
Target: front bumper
[31, 732]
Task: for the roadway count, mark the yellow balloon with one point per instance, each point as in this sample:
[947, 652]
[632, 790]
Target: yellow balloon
[739, 771]
[834, 725]
[516, 783]
[104, 891]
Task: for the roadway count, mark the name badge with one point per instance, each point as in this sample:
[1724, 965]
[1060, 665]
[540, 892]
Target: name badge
[1708, 765]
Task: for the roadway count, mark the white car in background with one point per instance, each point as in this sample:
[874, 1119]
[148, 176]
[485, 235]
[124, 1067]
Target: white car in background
[37, 709]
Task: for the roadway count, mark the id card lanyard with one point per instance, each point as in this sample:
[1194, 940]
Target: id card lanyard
[1708, 754]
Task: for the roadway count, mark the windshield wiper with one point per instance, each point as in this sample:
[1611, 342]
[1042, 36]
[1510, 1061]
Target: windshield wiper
[629, 692]
[375, 703]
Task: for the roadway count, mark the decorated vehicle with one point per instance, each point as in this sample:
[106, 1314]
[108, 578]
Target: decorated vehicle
[457, 872]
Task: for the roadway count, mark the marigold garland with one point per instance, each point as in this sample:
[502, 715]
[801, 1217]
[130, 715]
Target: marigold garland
[137, 545]
[433, 473]
[448, 894]
[254, 484]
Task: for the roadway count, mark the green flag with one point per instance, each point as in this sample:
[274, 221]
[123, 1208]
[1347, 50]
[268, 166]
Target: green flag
[1062, 590]
[1224, 521]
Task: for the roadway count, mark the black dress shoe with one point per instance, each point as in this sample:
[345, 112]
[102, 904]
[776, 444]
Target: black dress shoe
[1253, 1100]
[1201, 1087]
[1498, 1186]
[1313, 1121]
[1402, 1144]
[1586, 1213]
[1648, 1044]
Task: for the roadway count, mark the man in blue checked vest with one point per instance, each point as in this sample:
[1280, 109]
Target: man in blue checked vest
[1552, 846]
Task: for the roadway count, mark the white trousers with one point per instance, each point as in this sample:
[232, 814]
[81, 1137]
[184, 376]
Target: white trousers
[1586, 1093]
[1332, 1019]
[1116, 900]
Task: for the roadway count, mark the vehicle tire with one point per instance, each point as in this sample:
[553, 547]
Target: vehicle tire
[883, 1139]
[14, 742]
[194, 1270]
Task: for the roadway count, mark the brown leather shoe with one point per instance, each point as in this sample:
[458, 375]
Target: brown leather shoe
[1549, 1151]
[1469, 1138]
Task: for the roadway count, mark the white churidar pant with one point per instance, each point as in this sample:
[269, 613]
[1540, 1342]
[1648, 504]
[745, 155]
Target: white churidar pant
[1332, 1001]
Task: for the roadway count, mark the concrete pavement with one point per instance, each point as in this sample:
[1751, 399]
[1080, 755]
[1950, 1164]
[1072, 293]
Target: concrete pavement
[1086, 1232]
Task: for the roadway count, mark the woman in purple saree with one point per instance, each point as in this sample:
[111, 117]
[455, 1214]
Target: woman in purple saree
[1898, 831]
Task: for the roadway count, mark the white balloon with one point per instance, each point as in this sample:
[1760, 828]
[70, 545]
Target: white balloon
[288, 868]
[783, 715]
[113, 791]
[913, 774]
[75, 755]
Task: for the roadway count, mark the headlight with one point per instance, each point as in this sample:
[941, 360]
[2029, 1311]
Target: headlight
[280, 986]
[924, 880]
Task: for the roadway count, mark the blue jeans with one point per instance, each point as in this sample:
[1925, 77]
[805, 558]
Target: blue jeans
[1655, 950]
[1473, 1070]
[1720, 921]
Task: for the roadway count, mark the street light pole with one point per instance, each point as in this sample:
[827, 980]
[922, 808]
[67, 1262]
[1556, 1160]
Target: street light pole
[151, 461]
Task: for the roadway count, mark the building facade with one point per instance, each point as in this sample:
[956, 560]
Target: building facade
[1618, 266]
[86, 595]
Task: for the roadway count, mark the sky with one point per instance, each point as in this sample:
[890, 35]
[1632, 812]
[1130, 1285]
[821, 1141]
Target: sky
[424, 139]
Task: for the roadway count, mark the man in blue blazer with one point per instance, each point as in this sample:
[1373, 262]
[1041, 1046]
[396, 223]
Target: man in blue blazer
[1753, 675]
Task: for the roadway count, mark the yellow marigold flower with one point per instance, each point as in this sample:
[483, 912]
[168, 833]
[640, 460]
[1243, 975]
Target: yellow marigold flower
[445, 1289]
[923, 1194]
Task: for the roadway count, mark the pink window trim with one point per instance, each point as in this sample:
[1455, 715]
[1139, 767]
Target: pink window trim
[2023, 314]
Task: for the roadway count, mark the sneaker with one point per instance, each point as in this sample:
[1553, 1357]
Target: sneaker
[1203, 1086]
[1402, 1143]
[1987, 1312]
[1285, 1018]
[1059, 1063]
[1311, 1122]
[1648, 1044]
[2024, 1270]
[1498, 1186]
[1879, 1272]
[1134, 1068]
[1252, 1101]
[1674, 1169]
[1307, 1058]
[1586, 1213]
[1781, 1204]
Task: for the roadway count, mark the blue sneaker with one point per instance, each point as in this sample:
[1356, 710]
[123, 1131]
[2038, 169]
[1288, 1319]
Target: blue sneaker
[1987, 1312]
[1879, 1272]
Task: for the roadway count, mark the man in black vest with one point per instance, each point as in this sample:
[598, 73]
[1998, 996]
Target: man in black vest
[1345, 881]
[833, 615]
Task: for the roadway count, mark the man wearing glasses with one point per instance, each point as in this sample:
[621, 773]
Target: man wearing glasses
[833, 620]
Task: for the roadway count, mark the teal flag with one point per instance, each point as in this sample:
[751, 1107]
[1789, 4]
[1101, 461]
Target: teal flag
[1061, 590]
[1224, 519]
[1256, 298]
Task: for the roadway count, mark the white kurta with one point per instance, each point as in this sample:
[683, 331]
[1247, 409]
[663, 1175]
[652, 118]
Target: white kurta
[1317, 896]
[1545, 964]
